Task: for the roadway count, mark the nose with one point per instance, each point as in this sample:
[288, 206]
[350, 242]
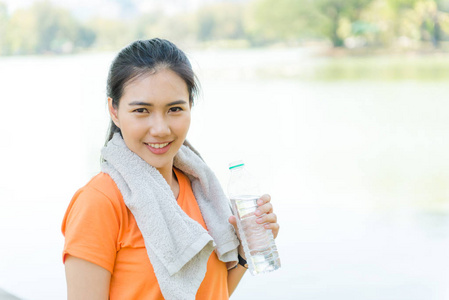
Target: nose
[159, 126]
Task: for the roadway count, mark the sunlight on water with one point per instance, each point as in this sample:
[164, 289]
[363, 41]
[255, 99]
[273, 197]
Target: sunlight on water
[358, 170]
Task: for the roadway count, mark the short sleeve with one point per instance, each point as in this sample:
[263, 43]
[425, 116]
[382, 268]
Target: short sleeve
[91, 226]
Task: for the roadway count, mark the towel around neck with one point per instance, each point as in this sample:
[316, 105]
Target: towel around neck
[177, 246]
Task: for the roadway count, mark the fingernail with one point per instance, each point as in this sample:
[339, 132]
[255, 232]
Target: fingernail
[257, 212]
[259, 220]
[259, 202]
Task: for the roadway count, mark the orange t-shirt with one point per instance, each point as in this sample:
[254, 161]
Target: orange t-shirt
[99, 228]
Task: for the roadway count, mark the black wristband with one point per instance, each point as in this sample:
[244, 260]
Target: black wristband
[243, 262]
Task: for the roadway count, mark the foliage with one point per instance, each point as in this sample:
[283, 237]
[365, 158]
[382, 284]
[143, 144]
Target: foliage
[46, 28]
[282, 20]
[407, 23]
[109, 34]
[352, 23]
[222, 21]
[302, 18]
[176, 28]
[3, 24]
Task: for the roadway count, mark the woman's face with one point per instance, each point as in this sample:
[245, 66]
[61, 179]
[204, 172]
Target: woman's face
[154, 117]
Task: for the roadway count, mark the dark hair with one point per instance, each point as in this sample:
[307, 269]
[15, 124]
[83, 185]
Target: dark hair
[143, 57]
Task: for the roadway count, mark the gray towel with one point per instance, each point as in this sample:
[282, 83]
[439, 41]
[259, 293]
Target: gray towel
[177, 246]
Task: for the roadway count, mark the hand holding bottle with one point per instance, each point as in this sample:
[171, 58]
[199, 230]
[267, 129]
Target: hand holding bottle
[270, 218]
[254, 221]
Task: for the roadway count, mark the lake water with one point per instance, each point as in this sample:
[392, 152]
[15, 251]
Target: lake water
[357, 166]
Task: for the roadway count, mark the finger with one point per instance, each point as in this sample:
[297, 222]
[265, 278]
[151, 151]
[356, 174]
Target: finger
[264, 199]
[274, 228]
[268, 218]
[264, 209]
[233, 221]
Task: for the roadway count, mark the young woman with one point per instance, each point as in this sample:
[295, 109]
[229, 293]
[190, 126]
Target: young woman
[154, 223]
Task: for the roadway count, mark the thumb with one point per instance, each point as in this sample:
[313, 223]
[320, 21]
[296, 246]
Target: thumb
[233, 221]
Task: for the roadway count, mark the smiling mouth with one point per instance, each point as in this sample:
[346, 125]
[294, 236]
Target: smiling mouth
[157, 146]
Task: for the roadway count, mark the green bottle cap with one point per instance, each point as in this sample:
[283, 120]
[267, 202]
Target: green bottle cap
[236, 164]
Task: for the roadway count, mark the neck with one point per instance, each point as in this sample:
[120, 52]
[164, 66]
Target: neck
[169, 176]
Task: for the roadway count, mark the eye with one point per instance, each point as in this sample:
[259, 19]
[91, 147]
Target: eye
[140, 110]
[175, 109]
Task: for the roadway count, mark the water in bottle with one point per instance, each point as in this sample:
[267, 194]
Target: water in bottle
[257, 241]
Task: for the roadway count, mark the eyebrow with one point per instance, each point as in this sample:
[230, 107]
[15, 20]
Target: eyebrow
[141, 103]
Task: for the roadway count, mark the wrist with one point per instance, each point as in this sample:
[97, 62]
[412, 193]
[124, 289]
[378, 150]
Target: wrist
[241, 252]
[242, 262]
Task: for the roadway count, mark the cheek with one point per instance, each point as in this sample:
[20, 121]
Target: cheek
[185, 125]
[129, 122]
[131, 128]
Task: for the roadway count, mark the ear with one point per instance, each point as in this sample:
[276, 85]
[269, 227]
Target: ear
[113, 113]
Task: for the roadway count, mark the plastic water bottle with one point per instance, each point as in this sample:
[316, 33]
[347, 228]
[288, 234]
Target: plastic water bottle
[257, 241]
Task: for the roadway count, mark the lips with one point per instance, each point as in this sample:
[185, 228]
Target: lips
[158, 148]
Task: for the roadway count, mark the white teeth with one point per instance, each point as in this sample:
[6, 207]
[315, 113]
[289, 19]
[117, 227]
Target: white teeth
[158, 146]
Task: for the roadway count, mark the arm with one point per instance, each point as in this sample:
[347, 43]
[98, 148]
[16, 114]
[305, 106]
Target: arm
[90, 228]
[234, 277]
[86, 280]
[270, 220]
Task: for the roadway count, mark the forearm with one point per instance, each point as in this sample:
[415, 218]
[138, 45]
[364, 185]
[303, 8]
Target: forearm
[234, 277]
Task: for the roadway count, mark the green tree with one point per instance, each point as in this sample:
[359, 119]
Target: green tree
[57, 29]
[221, 21]
[433, 17]
[45, 28]
[178, 28]
[289, 18]
[21, 36]
[336, 11]
[148, 25]
[408, 23]
[110, 34]
[280, 20]
[402, 17]
[85, 37]
[3, 24]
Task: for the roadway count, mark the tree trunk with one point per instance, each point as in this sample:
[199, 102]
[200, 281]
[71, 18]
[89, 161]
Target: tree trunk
[436, 34]
[334, 14]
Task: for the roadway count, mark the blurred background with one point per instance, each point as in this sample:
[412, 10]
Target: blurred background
[340, 107]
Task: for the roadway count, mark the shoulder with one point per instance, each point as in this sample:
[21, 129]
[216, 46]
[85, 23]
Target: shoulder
[99, 193]
[93, 222]
[101, 186]
[98, 201]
